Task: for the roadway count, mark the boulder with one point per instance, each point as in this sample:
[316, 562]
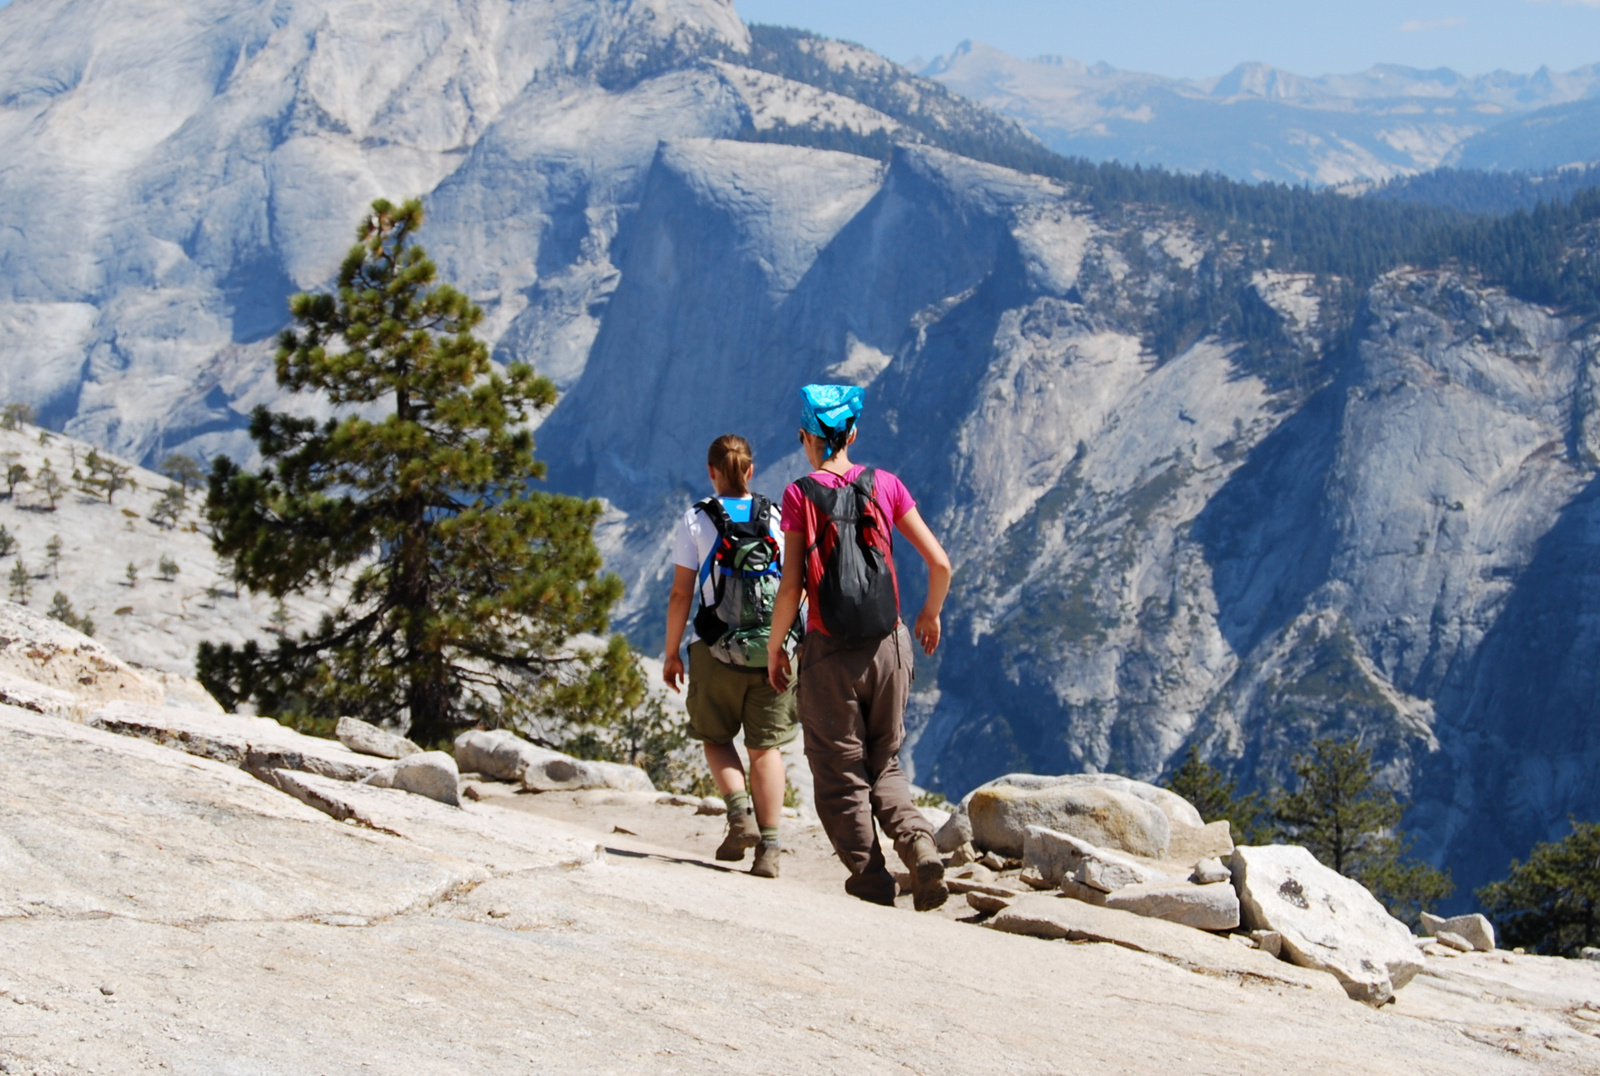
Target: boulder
[1179, 812]
[498, 753]
[1204, 907]
[1052, 855]
[1210, 870]
[1327, 921]
[428, 773]
[366, 739]
[1475, 928]
[1211, 841]
[504, 755]
[1103, 816]
[1453, 941]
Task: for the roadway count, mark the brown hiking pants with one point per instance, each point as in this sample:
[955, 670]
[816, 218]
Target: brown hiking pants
[852, 701]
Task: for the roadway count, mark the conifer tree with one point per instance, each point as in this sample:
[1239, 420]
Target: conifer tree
[8, 541]
[52, 553]
[1214, 795]
[467, 582]
[167, 510]
[1551, 902]
[61, 609]
[1350, 823]
[184, 471]
[21, 582]
[49, 484]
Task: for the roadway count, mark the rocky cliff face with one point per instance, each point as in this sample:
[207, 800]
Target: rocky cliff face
[1243, 529]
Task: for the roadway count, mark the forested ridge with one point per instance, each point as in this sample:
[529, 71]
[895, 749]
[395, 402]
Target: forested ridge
[1424, 222]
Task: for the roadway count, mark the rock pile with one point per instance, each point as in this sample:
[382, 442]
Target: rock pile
[1137, 850]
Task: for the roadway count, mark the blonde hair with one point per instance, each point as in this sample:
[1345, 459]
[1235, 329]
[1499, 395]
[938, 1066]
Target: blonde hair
[730, 456]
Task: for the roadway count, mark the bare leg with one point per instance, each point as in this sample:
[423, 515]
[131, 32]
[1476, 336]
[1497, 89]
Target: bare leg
[766, 784]
[726, 769]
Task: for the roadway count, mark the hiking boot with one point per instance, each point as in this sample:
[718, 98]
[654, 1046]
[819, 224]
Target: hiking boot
[874, 887]
[766, 864]
[742, 833]
[928, 888]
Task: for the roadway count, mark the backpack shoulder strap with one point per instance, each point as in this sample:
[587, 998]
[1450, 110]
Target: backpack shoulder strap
[718, 515]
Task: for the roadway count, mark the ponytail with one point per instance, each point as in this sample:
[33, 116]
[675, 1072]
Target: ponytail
[730, 457]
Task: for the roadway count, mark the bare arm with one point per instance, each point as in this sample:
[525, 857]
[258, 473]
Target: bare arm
[922, 540]
[678, 603]
[786, 607]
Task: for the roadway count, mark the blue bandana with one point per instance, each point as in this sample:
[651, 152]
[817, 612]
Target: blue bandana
[828, 409]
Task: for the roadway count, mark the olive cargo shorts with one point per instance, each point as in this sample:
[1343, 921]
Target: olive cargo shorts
[722, 699]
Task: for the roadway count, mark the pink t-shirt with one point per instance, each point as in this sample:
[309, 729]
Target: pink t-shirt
[887, 488]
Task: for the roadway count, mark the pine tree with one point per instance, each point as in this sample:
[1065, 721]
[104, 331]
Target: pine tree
[61, 609]
[21, 582]
[1214, 796]
[15, 472]
[167, 568]
[49, 484]
[184, 471]
[105, 476]
[169, 507]
[52, 553]
[132, 575]
[1551, 903]
[8, 541]
[1352, 824]
[467, 583]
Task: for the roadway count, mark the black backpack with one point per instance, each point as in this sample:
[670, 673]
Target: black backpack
[851, 558]
[744, 568]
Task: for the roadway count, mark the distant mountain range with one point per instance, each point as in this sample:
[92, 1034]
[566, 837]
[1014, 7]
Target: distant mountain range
[1260, 123]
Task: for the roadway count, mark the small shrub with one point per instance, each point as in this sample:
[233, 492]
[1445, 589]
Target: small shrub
[132, 575]
[167, 568]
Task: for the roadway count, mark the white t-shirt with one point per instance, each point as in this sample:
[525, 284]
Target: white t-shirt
[694, 541]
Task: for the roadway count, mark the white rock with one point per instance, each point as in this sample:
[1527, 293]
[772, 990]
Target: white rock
[712, 805]
[1109, 872]
[1475, 928]
[1052, 854]
[1453, 941]
[1109, 819]
[428, 773]
[1327, 921]
[504, 755]
[1268, 941]
[1589, 952]
[1210, 870]
[368, 739]
[1204, 907]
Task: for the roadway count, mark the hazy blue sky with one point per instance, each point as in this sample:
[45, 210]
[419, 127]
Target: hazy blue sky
[1195, 38]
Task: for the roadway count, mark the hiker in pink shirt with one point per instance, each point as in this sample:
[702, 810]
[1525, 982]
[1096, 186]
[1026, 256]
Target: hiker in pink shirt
[856, 661]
